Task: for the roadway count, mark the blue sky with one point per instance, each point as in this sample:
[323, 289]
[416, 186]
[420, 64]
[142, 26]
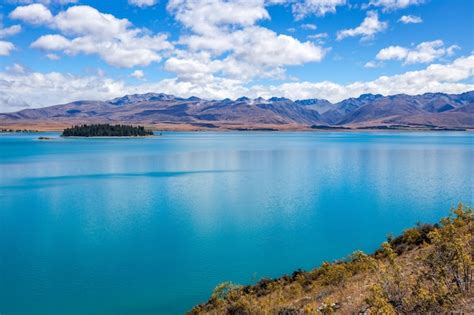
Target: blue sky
[55, 51]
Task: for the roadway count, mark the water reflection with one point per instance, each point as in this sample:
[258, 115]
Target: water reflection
[156, 223]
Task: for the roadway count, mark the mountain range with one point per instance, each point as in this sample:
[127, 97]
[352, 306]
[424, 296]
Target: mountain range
[168, 112]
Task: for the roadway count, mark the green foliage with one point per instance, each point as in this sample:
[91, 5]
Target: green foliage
[361, 262]
[334, 274]
[445, 274]
[106, 130]
[451, 259]
[411, 238]
[428, 269]
[223, 289]
[379, 302]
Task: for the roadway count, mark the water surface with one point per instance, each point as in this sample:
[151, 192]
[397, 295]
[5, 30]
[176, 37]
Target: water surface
[151, 225]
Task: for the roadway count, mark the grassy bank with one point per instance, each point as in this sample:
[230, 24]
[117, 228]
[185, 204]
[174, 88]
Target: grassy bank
[428, 269]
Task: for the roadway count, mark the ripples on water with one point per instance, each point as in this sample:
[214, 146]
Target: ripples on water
[150, 226]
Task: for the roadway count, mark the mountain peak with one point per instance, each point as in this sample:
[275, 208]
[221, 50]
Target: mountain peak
[369, 96]
[243, 99]
[279, 99]
[193, 99]
[135, 98]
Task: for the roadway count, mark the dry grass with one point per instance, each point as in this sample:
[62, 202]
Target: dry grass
[401, 277]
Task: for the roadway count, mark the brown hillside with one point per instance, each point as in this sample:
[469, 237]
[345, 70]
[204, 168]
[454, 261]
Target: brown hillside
[428, 269]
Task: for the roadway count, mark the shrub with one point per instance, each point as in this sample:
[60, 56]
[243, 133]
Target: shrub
[222, 290]
[334, 274]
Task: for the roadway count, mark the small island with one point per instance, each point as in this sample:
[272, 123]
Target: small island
[106, 130]
[10, 130]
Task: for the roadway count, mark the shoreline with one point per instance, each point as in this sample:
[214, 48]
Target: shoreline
[361, 283]
[272, 128]
[223, 131]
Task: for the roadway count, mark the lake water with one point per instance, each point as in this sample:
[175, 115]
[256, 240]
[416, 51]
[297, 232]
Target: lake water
[151, 226]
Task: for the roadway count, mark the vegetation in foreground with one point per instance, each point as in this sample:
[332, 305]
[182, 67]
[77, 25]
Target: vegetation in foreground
[428, 269]
[106, 130]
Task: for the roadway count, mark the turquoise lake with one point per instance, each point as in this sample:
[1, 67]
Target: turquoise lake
[152, 225]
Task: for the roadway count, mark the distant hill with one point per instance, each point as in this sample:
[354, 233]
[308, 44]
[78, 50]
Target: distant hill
[427, 111]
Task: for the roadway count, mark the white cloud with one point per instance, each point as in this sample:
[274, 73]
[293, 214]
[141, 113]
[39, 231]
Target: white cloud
[51, 42]
[35, 14]
[6, 48]
[53, 57]
[372, 64]
[410, 19]
[206, 16]
[143, 3]
[24, 89]
[86, 20]
[435, 78]
[86, 30]
[367, 30]
[226, 41]
[16, 69]
[304, 8]
[137, 74]
[319, 38]
[390, 5]
[424, 52]
[392, 52]
[9, 31]
[309, 27]
[19, 89]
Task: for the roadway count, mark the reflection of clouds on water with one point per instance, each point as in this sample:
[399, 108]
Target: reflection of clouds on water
[195, 209]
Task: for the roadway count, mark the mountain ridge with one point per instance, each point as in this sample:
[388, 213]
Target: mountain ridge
[164, 111]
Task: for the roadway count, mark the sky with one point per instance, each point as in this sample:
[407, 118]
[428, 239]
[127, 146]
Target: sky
[57, 51]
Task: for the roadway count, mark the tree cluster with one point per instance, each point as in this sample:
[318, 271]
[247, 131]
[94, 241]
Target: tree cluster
[106, 130]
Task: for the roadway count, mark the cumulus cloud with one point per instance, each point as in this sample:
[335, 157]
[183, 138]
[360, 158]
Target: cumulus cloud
[319, 37]
[53, 57]
[410, 19]
[424, 52]
[6, 48]
[35, 14]
[84, 29]
[137, 74]
[372, 64]
[9, 31]
[304, 8]
[225, 41]
[205, 16]
[143, 3]
[19, 89]
[367, 29]
[435, 78]
[390, 5]
[309, 26]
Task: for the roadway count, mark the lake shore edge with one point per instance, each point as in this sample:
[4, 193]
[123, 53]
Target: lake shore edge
[427, 269]
[247, 128]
